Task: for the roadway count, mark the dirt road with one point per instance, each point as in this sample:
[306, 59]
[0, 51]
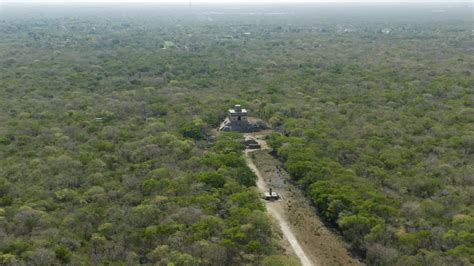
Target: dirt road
[307, 236]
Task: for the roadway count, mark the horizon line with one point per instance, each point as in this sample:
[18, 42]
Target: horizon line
[187, 2]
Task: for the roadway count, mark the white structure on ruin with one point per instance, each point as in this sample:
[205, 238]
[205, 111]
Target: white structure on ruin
[238, 120]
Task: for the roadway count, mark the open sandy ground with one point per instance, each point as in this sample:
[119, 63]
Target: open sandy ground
[305, 234]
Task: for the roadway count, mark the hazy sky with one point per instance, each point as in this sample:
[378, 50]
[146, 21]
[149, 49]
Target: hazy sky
[229, 1]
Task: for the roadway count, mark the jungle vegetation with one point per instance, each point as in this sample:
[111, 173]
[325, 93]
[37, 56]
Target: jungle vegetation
[107, 154]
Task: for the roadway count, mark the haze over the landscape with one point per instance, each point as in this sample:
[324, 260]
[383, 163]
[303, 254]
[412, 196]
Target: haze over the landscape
[235, 1]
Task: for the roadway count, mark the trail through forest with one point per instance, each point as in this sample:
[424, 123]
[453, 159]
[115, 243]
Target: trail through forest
[275, 211]
[307, 237]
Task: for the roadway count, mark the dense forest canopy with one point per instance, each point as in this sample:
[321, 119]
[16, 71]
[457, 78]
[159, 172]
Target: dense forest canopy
[106, 116]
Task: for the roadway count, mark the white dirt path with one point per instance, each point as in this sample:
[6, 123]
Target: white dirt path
[279, 215]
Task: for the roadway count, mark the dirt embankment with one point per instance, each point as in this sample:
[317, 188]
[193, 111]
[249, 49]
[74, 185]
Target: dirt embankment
[305, 234]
